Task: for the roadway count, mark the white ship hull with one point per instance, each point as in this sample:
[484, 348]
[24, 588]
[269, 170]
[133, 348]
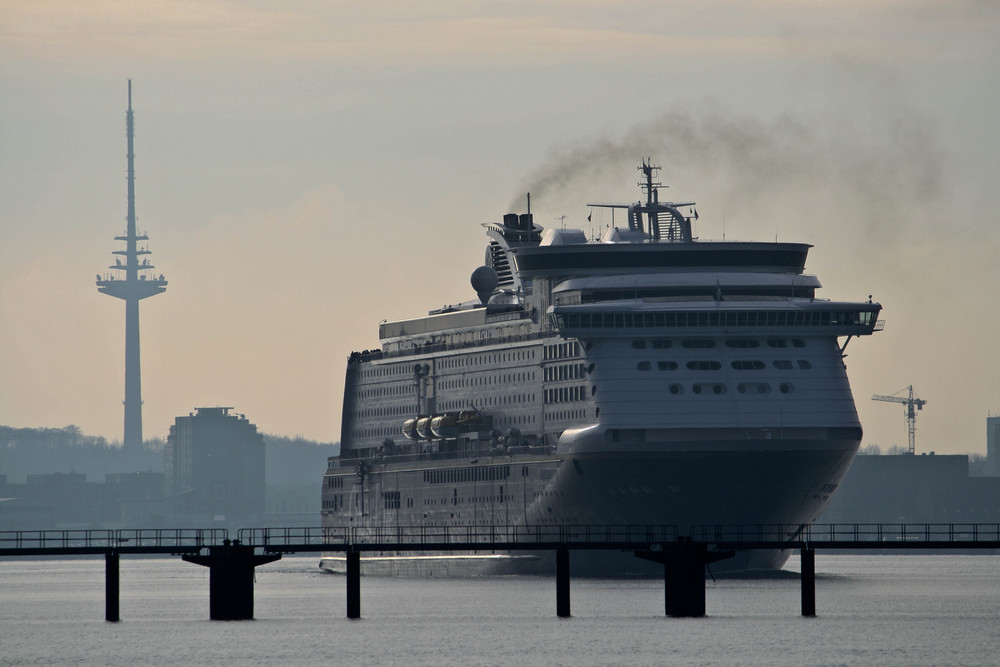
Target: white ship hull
[637, 381]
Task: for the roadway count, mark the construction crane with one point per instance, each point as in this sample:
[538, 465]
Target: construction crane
[911, 416]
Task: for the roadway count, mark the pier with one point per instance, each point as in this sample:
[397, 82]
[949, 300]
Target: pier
[112, 544]
[684, 556]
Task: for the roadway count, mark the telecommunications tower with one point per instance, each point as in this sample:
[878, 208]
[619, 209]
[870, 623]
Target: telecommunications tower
[131, 280]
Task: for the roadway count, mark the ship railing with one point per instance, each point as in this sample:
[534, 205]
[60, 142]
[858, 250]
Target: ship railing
[466, 537]
[492, 455]
[446, 347]
[841, 533]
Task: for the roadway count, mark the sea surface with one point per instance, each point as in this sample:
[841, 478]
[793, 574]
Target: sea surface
[871, 610]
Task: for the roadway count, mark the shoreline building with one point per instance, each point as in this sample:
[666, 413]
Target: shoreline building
[925, 488]
[993, 445]
[132, 280]
[214, 467]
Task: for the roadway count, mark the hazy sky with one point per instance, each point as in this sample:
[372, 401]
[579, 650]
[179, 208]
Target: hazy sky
[306, 169]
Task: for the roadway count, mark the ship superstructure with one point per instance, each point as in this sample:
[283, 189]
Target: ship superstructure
[645, 377]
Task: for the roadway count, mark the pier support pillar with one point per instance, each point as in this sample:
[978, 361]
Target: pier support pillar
[353, 583]
[111, 586]
[684, 564]
[684, 580]
[808, 581]
[562, 583]
[231, 579]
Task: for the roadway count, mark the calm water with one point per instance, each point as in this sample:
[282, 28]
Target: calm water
[903, 610]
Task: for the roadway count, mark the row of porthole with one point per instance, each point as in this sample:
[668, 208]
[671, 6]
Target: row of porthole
[709, 365]
[718, 388]
[704, 343]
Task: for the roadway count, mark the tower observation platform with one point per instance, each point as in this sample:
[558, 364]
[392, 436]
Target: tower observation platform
[131, 279]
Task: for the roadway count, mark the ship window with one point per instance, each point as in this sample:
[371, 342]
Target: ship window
[786, 388]
[676, 389]
[639, 344]
[777, 342]
[763, 388]
[643, 366]
[742, 343]
[747, 365]
[704, 365]
[783, 364]
[697, 343]
[661, 344]
[719, 389]
[798, 342]
[804, 365]
[666, 365]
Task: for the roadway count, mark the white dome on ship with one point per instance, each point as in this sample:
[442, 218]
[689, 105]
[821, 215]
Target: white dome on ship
[563, 237]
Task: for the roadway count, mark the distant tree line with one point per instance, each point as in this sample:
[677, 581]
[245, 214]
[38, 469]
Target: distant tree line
[30, 451]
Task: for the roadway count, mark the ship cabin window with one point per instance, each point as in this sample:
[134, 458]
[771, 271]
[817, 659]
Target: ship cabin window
[676, 389]
[783, 364]
[666, 365]
[639, 344]
[747, 365]
[761, 388]
[742, 343]
[661, 344]
[697, 343]
[804, 365]
[798, 342]
[777, 342]
[716, 389]
[643, 365]
[704, 365]
[786, 388]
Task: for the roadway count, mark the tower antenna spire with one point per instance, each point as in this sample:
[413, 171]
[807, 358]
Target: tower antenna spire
[131, 281]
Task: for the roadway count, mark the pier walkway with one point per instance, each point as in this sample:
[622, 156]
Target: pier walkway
[684, 554]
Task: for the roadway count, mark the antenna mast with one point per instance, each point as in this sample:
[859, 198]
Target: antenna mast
[131, 281]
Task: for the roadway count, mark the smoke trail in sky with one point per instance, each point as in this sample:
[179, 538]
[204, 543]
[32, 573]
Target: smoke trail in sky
[878, 175]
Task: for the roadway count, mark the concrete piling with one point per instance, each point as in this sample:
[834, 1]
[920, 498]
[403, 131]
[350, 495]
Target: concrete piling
[353, 583]
[684, 580]
[808, 555]
[231, 569]
[562, 583]
[111, 586]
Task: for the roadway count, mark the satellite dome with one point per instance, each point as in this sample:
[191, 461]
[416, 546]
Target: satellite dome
[484, 281]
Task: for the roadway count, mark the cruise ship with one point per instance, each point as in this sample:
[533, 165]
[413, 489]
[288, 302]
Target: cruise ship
[645, 377]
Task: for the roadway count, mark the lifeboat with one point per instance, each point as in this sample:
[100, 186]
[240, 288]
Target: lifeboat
[424, 427]
[445, 426]
[410, 429]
